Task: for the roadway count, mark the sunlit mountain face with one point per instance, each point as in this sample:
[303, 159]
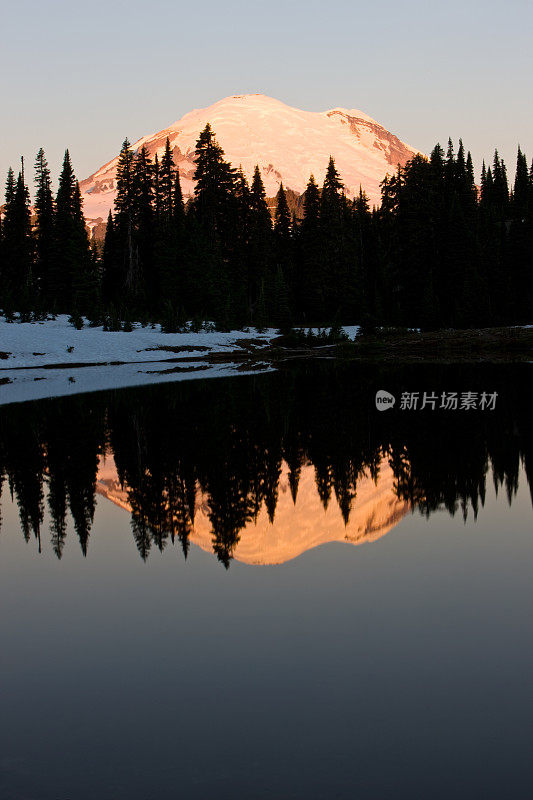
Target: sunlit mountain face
[287, 143]
[263, 468]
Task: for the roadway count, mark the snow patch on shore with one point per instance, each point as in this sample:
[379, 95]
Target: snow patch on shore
[55, 341]
[51, 358]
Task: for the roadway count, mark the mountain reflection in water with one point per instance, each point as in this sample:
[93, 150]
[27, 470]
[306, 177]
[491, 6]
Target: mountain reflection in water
[301, 521]
[264, 468]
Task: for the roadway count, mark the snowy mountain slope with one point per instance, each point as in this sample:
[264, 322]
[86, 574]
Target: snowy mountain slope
[287, 143]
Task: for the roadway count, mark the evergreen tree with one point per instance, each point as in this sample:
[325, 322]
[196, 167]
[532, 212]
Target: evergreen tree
[338, 276]
[519, 241]
[214, 184]
[166, 183]
[471, 184]
[283, 254]
[85, 283]
[521, 192]
[214, 208]
[10, 187]
[282, 230]
[178, 207]
[125, 185]
[16, 269]
[449, 166]
[44, 228]
[309, 285]
[144, 228]
[167, 240]
[259, 249]
[157, 188]
[111, 266]
[368, 272]
[179, 234]
[241, 311]
[330, 200]
[6, 299]
[282, 219]
[483, 183]
[500, 188]
[437, 162]
[125, 224]
[72, 282]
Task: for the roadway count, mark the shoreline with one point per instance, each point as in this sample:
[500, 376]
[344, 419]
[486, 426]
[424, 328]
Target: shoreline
[210, 355]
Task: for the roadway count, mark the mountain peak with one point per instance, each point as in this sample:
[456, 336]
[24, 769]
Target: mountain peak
[288, 143]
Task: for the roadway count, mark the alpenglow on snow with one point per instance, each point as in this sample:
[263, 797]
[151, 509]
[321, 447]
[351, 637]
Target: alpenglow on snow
[287, 143]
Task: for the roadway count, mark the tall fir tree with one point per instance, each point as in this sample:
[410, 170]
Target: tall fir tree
[44, 227]
[144, 227]
[283, 249]
[72, 276]
[166, 249]
[5, 277]
[519, 243]
[178, 208]
[259, 249]
[125, 225]
[166, 183]
[282, 218]
[308, 284]
[214, 184]
[18, 289]
[112, 275]
[179, 233]
[521, 191]
[338, 266]
[367, 271]
[214, 208]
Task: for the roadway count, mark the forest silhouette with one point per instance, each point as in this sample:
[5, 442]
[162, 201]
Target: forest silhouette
[440, 251]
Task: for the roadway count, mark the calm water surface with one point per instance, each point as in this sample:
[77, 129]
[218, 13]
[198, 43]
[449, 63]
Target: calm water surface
[262, 587]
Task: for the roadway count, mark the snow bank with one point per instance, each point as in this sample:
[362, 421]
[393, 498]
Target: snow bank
[45, 359]
[36, 344]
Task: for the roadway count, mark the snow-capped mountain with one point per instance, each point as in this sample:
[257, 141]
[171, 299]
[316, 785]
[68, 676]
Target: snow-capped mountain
[287, 143]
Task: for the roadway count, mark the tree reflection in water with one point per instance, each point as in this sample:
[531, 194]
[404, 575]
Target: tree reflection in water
[202, 460]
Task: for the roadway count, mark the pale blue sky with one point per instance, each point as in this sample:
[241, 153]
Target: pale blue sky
[85, 75]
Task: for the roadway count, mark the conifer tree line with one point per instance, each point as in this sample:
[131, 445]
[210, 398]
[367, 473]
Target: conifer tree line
[438, 252]
[47, 264]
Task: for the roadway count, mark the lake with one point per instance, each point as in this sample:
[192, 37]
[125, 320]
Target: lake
[265, 587]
